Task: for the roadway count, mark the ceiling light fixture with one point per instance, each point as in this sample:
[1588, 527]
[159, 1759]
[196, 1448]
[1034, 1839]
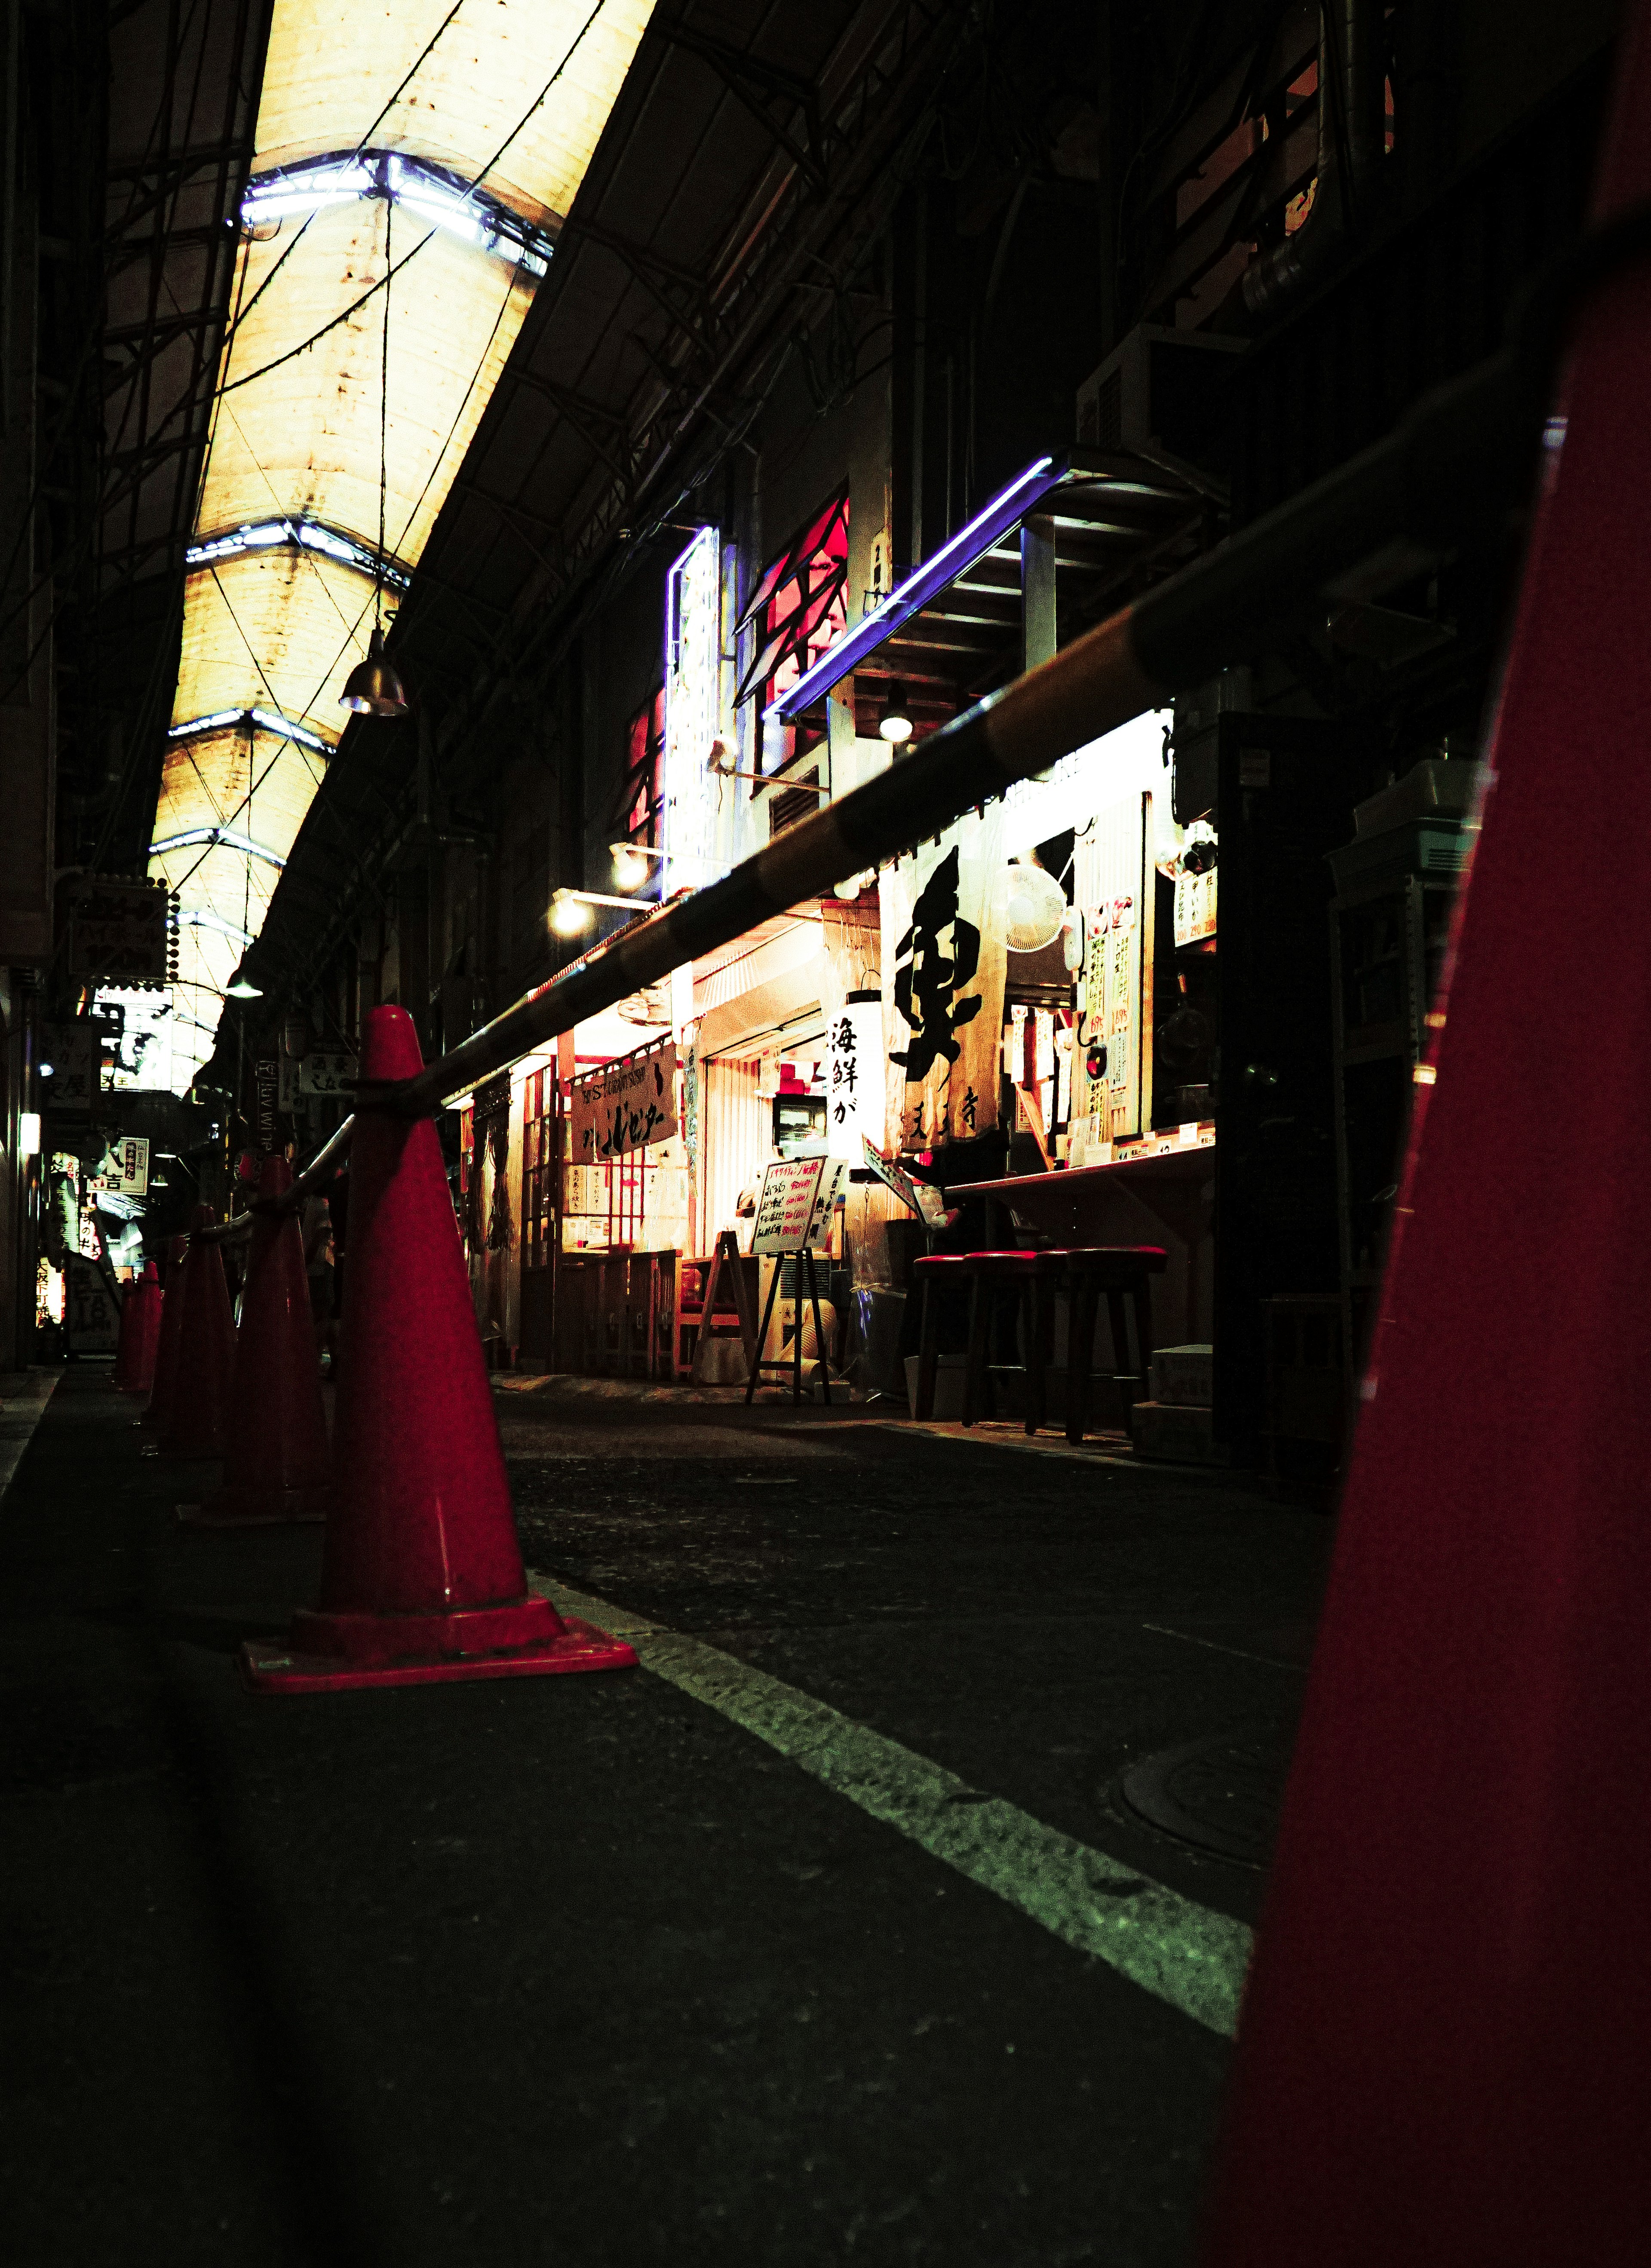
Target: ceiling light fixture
[630, 863]
[570, 910]
[373, 688]
[895, 723]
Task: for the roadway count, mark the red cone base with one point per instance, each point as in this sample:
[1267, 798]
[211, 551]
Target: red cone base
[158, 1413]
[345, 1651]
[422, 1577]
[270, 1508]
[205, 1356]
[277, 1466]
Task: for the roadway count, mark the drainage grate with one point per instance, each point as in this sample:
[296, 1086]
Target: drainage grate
[1220, 1794]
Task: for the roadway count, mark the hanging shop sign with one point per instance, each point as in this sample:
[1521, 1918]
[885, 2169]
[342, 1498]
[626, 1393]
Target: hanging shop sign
[73, 1050]
[854, 1076]
[125, 1169]
[267, 1091]
[91, 1317]
[693, 706]
[625, 1106]
[118, 930]
[287, 1087]
[327, 1071]
[943, 966]
[794, 1208]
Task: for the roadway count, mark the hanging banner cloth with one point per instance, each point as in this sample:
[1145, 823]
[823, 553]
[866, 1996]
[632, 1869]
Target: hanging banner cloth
[943, 963]
[1442, 2052]
[626, 1106]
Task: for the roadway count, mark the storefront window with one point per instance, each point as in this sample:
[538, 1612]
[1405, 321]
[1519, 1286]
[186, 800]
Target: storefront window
[798, 611]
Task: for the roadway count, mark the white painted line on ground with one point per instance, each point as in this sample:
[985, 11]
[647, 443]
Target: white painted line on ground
[1267, 1660]
[1174, 1949]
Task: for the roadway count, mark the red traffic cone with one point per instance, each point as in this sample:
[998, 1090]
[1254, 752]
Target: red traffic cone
[276, 1462]
[205, 1350]
[1442, 2051]
[134, 1365]
[128, 1346]
[154, 1308]
[158, 1415]
[149, 1328]
[423, 1577]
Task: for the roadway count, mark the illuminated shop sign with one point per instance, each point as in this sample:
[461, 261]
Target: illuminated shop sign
[693, 711]
[855, 1076]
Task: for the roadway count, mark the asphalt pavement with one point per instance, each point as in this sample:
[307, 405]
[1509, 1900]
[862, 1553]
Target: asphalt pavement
[894, 1910]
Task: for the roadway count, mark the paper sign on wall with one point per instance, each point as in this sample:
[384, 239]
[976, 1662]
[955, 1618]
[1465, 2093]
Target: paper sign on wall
[1112, 1019]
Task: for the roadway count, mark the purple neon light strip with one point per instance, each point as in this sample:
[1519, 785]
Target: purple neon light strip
[960, 551]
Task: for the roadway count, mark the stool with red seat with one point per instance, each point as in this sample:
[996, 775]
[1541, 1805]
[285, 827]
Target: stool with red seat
[1118, 1272]
[1031, 1275]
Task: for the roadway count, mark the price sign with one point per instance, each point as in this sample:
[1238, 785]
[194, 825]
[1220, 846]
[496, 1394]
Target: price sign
[794, 1209]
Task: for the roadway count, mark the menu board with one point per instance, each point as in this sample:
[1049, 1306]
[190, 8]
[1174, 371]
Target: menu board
[1111, 1025]
[1194, 907]
[798, 1197]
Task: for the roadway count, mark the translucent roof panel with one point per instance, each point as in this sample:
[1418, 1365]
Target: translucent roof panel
[211, 781]
[274, 629]
[418, 159]
[333, 67]
[304, 440]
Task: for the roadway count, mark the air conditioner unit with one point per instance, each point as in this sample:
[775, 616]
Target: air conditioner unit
[1161, 394]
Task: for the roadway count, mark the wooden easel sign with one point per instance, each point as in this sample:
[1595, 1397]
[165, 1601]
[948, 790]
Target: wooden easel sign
[793, 1217]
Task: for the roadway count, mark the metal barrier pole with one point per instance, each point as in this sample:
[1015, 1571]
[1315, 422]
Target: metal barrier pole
[1457, 463]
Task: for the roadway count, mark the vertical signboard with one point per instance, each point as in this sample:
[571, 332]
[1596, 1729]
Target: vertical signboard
[855, 1104]
[943, 970]
[1112, 1072]
[693, 666]
[266, 1088]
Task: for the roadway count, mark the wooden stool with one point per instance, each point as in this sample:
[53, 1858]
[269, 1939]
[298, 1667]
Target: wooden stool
[1122, 1272]
[1031, 1275]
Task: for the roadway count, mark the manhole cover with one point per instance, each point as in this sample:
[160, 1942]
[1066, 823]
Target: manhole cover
[1221, 1795]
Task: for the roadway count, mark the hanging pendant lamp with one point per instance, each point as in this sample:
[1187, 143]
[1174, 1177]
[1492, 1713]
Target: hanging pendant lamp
[373, 687]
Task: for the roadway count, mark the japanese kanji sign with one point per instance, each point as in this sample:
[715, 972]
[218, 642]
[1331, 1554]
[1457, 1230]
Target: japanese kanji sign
[854, 1075]
[72, 1050]
[624, 1107]
[126, 1165]
[117, 930]
[327, 1071]
[943, 966]
[1111, 1027]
